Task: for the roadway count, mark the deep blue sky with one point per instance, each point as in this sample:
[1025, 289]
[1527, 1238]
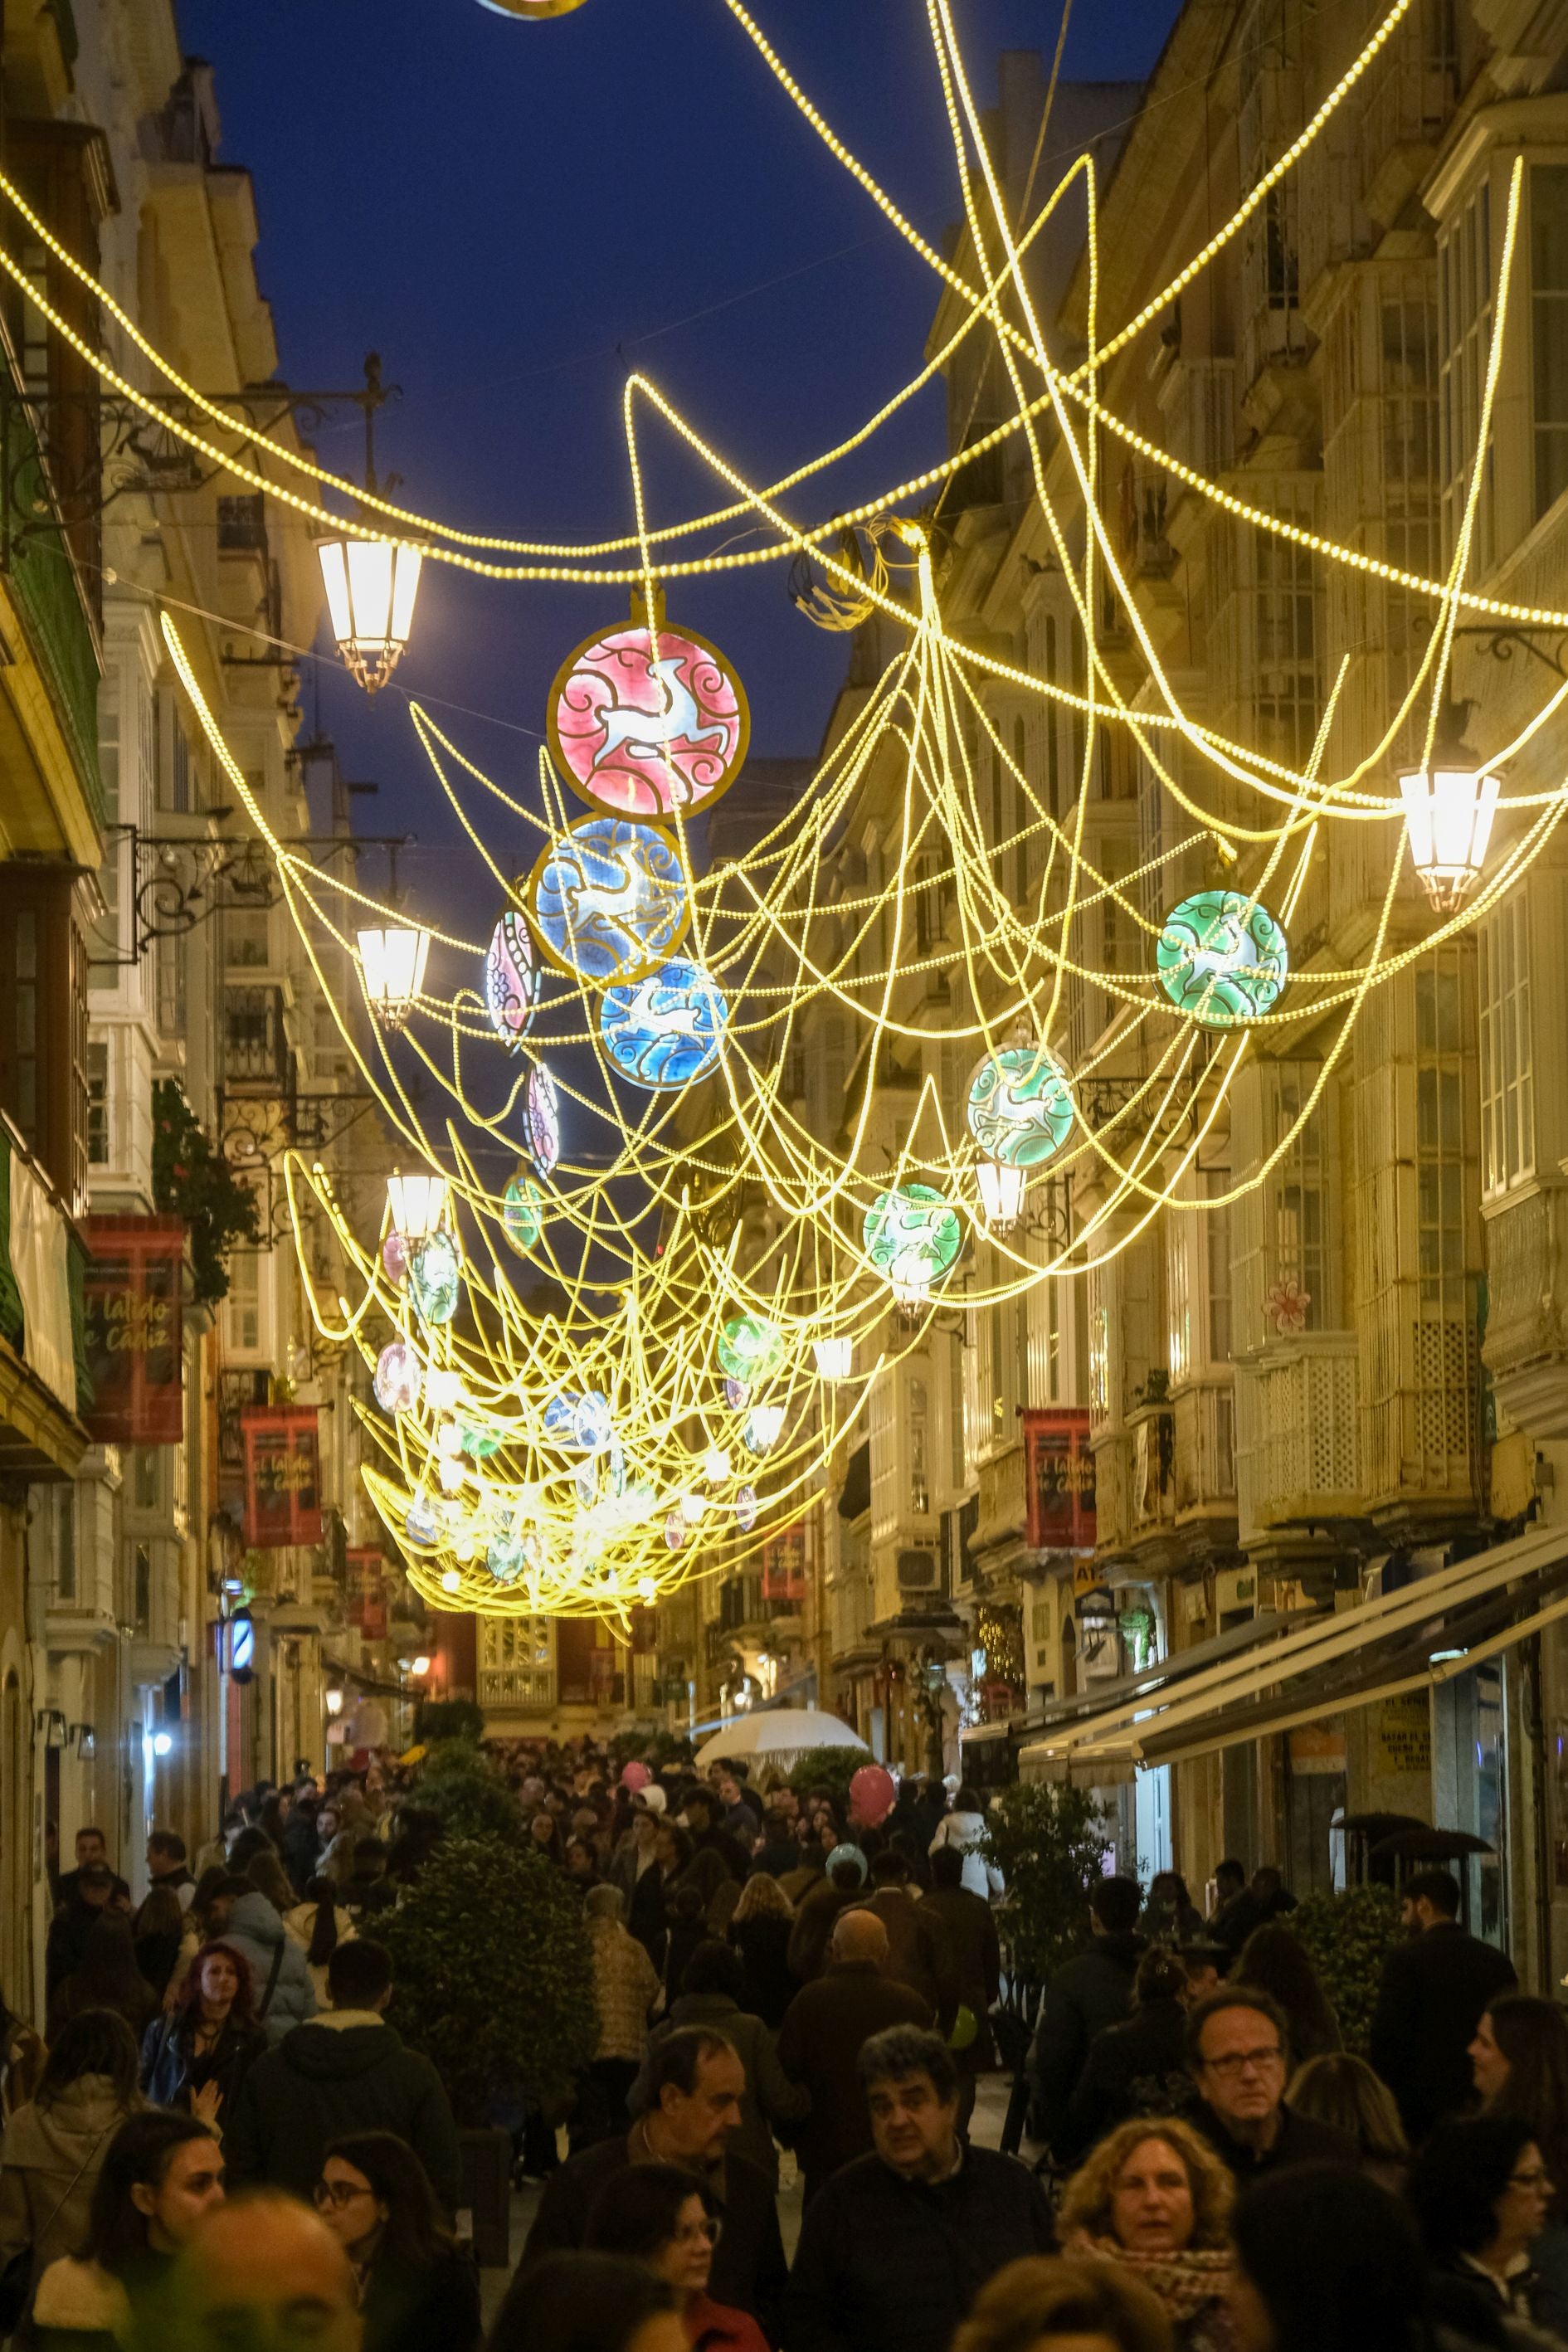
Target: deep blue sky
[515, 213]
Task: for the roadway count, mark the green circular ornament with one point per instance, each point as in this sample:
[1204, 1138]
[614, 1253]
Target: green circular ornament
[912, 1235]
[522, 1212]
[1020, 1105]
[1222, 958]
[751, 1348]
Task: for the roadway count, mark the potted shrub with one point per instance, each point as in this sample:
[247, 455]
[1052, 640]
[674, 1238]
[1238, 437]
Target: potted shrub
[493, 1981]
[1050, 1844]
[1348, 1937]
[467, 1788]
[832, 1768]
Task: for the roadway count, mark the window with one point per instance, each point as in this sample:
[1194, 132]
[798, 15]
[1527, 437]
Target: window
[1023, 814]
[1508, 1093]
[1217, 1242]
[242, 525]
[141, 1589]
[1439, 1135]
[242, 1307]
[1098, 1348]
[1549, 330]
[1053, 726]
[145, 1478]
[178, 771]
[98, 1103]
[246, 936]
[65, 1540]
[919, 1428]
[1464, 337]
[1181, 1248]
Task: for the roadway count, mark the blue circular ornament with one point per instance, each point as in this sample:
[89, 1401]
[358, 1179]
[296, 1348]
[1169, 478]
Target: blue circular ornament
[1020, 1108]
[912, 1235]
[511, 979]
[1222, 958]
[523, 1213]
[433, 1271]
[419, 1523]
[665, 1031]
[608, 901]
[504, 1559]
[592, 1426]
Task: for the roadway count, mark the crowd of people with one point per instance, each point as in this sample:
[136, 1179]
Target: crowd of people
[218, 2139]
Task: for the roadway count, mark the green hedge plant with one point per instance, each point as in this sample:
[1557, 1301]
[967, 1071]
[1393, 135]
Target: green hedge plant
[1050, 1844]
[1348, 1937]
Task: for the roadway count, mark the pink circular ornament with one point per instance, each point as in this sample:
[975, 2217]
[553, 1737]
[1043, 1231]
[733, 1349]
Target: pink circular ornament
[872, 1794]
[643, 722]
[634, 1775]
[394, 1257]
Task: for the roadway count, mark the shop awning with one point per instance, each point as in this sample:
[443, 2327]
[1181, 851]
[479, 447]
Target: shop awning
[1423, 1634]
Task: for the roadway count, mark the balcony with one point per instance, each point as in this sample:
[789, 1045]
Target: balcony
[255, 1057]
[1205, 1464]
[517, 1690]
[44, 1383]
[1297, 1452]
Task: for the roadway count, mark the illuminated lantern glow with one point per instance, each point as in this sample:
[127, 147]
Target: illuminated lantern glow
[1001, 1193]
[674, 1531]
[751, 1348]
[450, 1580]
[478, 1444]
[913, 1236]
[592, 1426]
[608, 899]
[834, 1358]
[396, 1381]
[716, 1465]
[541, 1120]
[746, 1510]
[444, 1388]
[371, 586]
[692, 1507]
[561, 1417]
[640, 729]
[511, 979]
[522, 1212]
[415, 1204]
[664, 1032]
[763, 1429]
[391, 966]
[1448, 814]
[432, 1277]
[1221, 958]
[1020, 1105]
[451, 1472]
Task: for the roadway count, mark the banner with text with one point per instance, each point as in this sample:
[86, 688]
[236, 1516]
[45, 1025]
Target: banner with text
[1059, 1472]
[134, 1352]
[282, 1475]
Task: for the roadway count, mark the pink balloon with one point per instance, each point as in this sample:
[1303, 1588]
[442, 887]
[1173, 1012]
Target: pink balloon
[872, 1794]
[635, 1776]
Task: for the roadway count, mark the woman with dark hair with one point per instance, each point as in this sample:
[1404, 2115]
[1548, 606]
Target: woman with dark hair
[1327, 2262]
[1170, 1915]
[664, 2218]
[55, 2146]
[1043, 2300]
[1344, 2091]
[418, 2291]
[544, 1836]
[22, 2055]
[161, 2174]
[1519, 2060]
[108, 1978]
[319, 1925]
[586, 2303]
[247, 1845]
[267, 1874]
[1274, 1960]
[1137, 2066]
[200, 2051]
[1479, 2190]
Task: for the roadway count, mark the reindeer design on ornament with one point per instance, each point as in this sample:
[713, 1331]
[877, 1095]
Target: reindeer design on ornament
[631, 730]
[644, 721]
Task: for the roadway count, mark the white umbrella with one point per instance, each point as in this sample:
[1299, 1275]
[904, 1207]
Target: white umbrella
[781, 1733]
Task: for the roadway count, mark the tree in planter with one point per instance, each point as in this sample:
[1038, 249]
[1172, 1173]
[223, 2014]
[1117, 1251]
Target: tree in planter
[1050, 1844]
[1348, 1937]
[493, 1979]
[462, 1785]
[192, 1181]
[449, 1718]
[832, 1768]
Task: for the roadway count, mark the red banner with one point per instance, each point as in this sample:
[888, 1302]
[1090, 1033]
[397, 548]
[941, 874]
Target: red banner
[132, 1291]
[783, 1566]
[366, 1599]
[1059, 1469]
[282, 1476]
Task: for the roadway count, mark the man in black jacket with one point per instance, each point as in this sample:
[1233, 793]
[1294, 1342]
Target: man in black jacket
[1430, 2001]
[1239, 2053]
[695, 2083]
[346, 2071]
[1092, 1990]
[895, 2247]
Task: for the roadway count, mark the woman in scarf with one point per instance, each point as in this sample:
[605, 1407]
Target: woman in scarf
[1155, 2199]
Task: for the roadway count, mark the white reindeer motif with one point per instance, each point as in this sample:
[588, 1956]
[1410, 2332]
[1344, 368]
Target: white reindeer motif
[630, 730]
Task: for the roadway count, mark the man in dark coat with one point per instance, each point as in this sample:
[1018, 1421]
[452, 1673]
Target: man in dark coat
[90, 1887]
[346, 2071]
[1239, 2052]
[1092, 1990]
[695, 2085]
[819, 1909]
[918, 1952]
[1430, 2001]
[825, 2029]
[971, 1930]
[895, 2247]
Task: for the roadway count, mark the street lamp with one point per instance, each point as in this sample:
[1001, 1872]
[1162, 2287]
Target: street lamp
[834, 1358]
[370, 581]
[420, 1667]
[415, 1204]
[1001, 1193]
[391, 966]
[1448, 815]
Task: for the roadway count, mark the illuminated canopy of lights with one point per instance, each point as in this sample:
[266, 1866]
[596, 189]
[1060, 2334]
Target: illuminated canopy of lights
[617, 1339]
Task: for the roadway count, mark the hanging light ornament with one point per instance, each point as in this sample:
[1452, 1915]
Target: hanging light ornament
[522, 1212]
[1449, 814]
[751, 1348]
[608, 899]
[541, 1120]
[392, 967]
[415, 1204]
[1020, 1105]
[746, 1510]
[664, 1032]
[764, 1428]
[435, 1268]
[834, 1357]
[371, 586]
[913, 1236]
[396, 1381]
[646, 721]
[1000, 1188]
[1222, 958]
[511, 977]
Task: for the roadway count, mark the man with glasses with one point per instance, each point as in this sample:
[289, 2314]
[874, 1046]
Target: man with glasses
[1239, 2053]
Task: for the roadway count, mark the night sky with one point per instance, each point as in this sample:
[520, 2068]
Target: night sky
[516, 214]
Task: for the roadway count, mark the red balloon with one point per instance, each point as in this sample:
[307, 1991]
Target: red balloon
[871, 1793]
[635, 1776]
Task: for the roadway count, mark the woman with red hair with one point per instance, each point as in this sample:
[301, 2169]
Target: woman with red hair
[197, 2054]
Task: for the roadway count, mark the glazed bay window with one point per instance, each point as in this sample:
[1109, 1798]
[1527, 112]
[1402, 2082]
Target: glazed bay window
[1464, 339]
[1548, 330]
[1508, 1085]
